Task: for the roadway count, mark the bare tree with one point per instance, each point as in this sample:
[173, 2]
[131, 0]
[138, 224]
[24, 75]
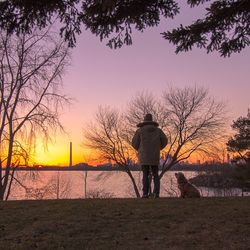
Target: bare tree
[143, 103]
[196, 123]
[23, 180]
[37, 187]
[31, 67]
[108, 137]
[60, 185]
[192, 120]
[172, 188]
[99, 194]
[87, 157]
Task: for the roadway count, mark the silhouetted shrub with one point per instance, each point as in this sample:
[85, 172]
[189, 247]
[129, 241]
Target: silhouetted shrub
[237, 176]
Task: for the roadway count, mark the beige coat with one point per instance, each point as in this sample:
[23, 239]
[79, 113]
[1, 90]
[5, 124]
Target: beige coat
[148, 141]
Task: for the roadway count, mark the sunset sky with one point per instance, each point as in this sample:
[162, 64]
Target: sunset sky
[101, 76]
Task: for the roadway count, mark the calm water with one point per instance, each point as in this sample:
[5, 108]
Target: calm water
[93, 184]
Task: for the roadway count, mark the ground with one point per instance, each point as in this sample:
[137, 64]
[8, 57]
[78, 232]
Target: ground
[165, 223]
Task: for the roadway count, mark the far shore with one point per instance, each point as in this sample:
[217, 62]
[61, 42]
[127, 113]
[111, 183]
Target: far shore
[108, 167]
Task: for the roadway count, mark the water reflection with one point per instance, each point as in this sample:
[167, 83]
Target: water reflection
[94, 184]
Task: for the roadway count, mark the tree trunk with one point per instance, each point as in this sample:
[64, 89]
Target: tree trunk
[134, 184]
[1, 187]
[167, 168]
[8, 164]
[10, 184]
[1, 193]
[58, 186]
[85, 184]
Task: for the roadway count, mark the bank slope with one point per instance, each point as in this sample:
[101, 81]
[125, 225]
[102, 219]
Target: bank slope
[167, 223]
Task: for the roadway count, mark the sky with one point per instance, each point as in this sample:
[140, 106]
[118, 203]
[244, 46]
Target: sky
[98, 76]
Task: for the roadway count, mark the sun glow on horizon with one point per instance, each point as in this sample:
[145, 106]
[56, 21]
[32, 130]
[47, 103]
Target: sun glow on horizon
[56, 154]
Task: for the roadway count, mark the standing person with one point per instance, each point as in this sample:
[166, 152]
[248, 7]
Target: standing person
[149, 140]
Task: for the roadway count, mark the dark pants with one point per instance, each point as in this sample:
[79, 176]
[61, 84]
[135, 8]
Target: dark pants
[145, 179]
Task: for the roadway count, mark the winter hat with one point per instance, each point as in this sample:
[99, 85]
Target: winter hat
[148, 120]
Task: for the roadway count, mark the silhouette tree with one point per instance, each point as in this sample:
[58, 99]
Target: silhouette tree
[58, 186]
[103, 18]
[99, 194]
[224, 28]
[108, 137]
[240, 142]
[192, 120]
[31, 67]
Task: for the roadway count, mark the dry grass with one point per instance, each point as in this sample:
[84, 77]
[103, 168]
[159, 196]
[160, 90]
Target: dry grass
[169, 223]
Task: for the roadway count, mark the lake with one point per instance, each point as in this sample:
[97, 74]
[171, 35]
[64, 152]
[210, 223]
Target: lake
[94, 184]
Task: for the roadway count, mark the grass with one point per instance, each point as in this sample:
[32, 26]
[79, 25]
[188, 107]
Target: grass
[166, 223]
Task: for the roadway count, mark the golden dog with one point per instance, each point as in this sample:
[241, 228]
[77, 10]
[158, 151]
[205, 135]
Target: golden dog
[187, 189]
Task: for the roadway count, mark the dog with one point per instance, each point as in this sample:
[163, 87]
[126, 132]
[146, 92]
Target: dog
[187, 189]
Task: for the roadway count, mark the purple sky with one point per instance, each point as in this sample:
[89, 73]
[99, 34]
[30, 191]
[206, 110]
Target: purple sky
[101, 76]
